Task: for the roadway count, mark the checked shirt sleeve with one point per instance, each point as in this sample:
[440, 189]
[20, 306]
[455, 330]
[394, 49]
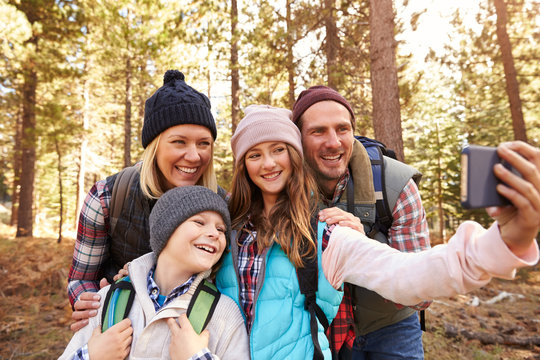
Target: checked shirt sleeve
[409, 231]
[91, 245]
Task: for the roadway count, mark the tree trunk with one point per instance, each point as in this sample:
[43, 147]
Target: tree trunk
[440, 210]
[17, 163]
[512, 85]
[384, 80]
[290, 57]
[25, 213]
[235, 75]
[60, 190]
[81, 190]
[332, 44]
[127, 115]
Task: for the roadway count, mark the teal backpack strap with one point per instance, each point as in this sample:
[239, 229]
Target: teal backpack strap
[117, 303]
[202, 305]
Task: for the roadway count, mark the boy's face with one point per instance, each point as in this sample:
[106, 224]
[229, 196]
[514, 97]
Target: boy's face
[198, 243]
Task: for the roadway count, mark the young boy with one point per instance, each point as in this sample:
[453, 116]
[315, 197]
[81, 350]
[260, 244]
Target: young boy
[189, 226]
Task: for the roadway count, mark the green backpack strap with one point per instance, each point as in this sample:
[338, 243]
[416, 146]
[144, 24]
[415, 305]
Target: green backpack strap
[118, 303]
[121, 294]
[202, 305]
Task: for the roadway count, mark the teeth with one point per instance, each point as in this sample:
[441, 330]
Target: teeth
[186, 169]
[335, 157]
[271, 176]
[206, 248]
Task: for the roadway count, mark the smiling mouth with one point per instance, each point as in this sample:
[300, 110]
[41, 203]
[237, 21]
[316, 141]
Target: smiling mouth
[187, 170]
[208, 249]
[271, 176]
[332, 157]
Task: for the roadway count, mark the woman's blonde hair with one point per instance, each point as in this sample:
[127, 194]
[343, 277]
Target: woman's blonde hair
[288, 223]
[152, 180]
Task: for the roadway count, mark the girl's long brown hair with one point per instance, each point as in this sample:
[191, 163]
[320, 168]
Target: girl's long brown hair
[288, 223]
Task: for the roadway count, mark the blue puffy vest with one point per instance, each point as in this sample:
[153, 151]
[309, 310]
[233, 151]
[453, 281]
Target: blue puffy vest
[281, 324]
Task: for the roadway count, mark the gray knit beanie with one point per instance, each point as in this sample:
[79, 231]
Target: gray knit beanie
[263, 123]
[175, 103]
[176, 206]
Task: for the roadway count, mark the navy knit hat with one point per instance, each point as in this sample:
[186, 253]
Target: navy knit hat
[175, 103]
[176, 206]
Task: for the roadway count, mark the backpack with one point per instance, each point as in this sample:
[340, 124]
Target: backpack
[383, 206]
[121, 294]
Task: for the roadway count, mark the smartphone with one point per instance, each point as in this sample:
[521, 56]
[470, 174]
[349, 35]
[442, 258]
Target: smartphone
[478, 181]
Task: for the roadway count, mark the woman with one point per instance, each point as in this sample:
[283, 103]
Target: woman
[178, 137]
[273, 199]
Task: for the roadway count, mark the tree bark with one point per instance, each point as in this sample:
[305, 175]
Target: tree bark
[25, 213]
[60, 190]
[384, 80]
[290, 57]
[235, 75]
[17, 163]
[81, 190]
[440, 210]
[332, 44]
[127, 115]
[512, 85]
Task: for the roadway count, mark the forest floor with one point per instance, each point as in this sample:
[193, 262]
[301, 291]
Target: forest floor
[35, 313]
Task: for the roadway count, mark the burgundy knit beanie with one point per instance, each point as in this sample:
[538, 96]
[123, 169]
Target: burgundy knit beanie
[263, 123]
[314, 95]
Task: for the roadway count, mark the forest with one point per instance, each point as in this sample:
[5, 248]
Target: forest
[74, 76]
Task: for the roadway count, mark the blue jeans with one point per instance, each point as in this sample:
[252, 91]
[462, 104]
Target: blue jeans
[402, 340]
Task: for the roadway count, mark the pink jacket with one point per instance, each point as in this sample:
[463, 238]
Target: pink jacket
[471, 258]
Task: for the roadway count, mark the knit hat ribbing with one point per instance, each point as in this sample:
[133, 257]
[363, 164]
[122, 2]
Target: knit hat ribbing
[316, 94]
[263, 123]
[175, 103]
[176, 206]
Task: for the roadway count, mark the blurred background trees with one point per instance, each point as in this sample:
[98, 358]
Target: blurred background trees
[74, 76]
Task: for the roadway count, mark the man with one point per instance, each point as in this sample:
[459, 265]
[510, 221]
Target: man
[367, 326]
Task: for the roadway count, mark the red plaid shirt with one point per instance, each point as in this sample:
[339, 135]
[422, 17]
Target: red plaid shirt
[409, 233]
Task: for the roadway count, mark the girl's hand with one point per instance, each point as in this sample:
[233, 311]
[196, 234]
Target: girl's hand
[519, 224]
[340, 217]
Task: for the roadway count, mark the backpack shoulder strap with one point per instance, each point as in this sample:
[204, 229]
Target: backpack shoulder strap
[308, 280]
[117, 303]
[202, 305]
[389, 178]
[120, 193]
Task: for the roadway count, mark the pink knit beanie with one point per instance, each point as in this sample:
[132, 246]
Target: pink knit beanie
[263, 123]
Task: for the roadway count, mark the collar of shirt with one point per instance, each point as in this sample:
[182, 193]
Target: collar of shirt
[154, 292]
[338, 191]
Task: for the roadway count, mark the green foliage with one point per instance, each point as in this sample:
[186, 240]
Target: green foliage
[89, 52]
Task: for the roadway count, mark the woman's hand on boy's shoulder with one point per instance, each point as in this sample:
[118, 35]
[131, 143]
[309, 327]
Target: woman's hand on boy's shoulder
[113, 344]
[185, 342]
[84, 308]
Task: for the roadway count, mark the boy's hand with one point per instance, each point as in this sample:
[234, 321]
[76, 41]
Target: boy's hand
[85, 308]
[113, 344]
[335, 215]
[123, 272]
[519, 224]
[185, 342]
